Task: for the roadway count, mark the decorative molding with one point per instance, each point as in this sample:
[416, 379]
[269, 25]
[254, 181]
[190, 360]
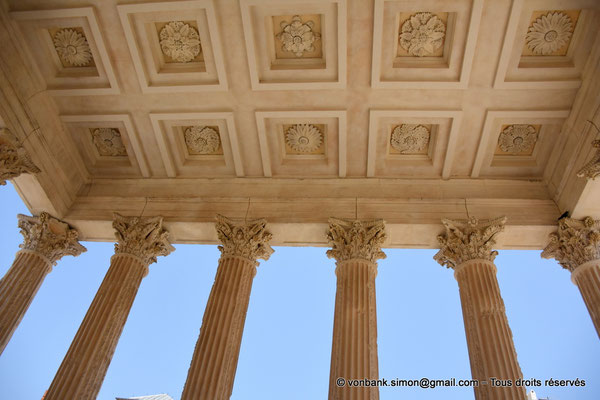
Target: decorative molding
[248, 239]
[549, 33]
[304, 138]
[142, 237]
[575, 243]
[14, 160]
[202, 140]
[591, 170]
[422, 34]
[298, 37]
[351, 239]
[410, 138]
[180, 41]
[518, 138]
[49, 237]
[108, 142]
[468, 240]
[72, 48]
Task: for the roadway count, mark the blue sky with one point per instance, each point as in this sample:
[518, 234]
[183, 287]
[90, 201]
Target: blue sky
[286, 347]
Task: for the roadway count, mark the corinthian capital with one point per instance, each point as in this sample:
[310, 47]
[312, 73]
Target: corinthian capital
[591, 170]
[14, 160]
[244, 239]
[49, 237]
[356, 239]
[576, 242]
[468, 240]
[142, 237]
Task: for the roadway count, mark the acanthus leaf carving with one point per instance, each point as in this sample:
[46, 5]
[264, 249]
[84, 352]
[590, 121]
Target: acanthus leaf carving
[422, 34]
[549, 33]
[249, 239]
[576, 242]
[108, 141]
[468, 240]
[180, 41]
[49, 237]
[202, 140]
[591, 170]
[354, 239]
[14, 160]
[518, 138]
[410, 138]
[143, 237]
[72, 47]
[298, 37]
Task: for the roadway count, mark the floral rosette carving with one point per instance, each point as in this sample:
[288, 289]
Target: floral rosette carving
[468, 240]
[202, 140]
[409, 138]
[422, 34]
[576, 242]
[144, 238]
[549, 33]
[14, 160]
[180, 41]
[591, 170]
[356, 239]
[108, 142]
[244, 239]
[518, 138]
[298, 37]
[72, 48]
[304, 138]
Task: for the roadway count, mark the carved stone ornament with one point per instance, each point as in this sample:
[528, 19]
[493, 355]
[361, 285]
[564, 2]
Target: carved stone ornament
[518, 138]
[591, 170]
[468, 240]
[202, 140]
[14, 160]
[142, 237]
[108, 142]
[244, 239]
[576, 242]
[351, 239]
[49, 236]
[72, 48]
[297, 36]
[409, 138]
[304, 138]
[422, 34]
[549, 33]
[180, 41]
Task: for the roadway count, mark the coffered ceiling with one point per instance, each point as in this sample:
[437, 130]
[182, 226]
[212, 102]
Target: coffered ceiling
[296, 111]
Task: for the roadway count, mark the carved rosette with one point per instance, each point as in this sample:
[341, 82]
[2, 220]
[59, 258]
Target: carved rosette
[468, 240]
[518, 138]
[249, 239]
[422, 34]
[591, 170]
[354, 239]
[549, 33]
[72, 48]
[576, 242]
[297, 36]
[14, 160]
[144, 238]
[201, 140]
[180, 41]
[409, 138]
[49, 237]
[108, 141]
[304, 138]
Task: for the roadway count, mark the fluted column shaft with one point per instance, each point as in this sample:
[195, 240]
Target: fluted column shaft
[489, 338]
[82, 371]
[17, 290]
[214, 363]
[354, 348]
[215, 358]
[587, 279]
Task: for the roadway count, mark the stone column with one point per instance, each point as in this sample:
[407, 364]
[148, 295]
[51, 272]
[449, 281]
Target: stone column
[213, 366]
[356, 246]
[576, 246]
[45, 241]
[467, 248]
[139, 242]
[14, 160]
